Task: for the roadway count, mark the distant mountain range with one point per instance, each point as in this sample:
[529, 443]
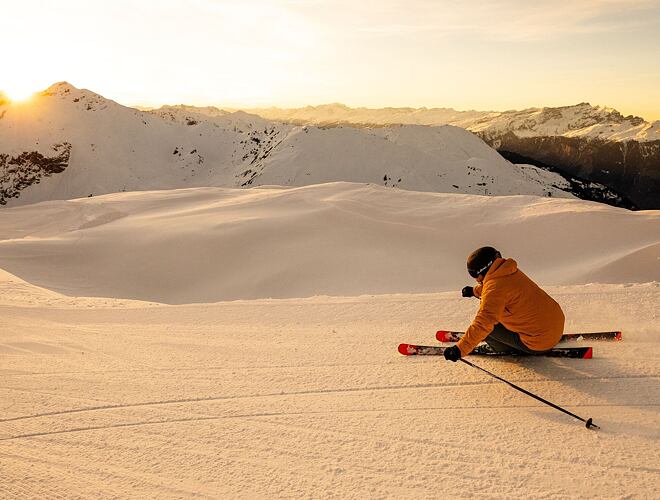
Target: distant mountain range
[69, 143]
[582, 120]
[588, 142]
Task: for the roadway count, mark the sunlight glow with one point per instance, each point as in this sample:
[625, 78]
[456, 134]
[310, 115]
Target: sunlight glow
[291, 53]
[18, 93]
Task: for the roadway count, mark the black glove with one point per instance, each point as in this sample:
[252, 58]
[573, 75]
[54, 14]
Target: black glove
[467, 291]
[452, 353]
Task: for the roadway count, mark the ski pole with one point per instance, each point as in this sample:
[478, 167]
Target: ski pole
[589, 422]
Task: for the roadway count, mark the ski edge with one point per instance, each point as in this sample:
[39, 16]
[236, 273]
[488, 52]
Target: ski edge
[453, 336]
[561, 352]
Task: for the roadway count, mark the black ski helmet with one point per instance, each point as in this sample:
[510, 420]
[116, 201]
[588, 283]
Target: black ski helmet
[479, 261]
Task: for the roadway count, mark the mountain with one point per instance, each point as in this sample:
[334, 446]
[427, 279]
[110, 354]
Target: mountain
[581, 120]
[592, 143]
[70, 143]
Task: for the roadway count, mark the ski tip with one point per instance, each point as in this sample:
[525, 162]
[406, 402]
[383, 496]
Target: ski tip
[617, 335]
[589, 353]
[403, 349]
[447, 336]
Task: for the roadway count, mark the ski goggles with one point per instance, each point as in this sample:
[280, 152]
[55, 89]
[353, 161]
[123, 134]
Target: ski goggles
[476, 272]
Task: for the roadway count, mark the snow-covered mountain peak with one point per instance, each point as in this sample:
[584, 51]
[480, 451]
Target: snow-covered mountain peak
[60, 96]
[72, 143]
[245, 116]
[578, 120]
[65, 90]
[60, 88]
[593, 143]
[184, 109]
[332, 107]
[191, 115]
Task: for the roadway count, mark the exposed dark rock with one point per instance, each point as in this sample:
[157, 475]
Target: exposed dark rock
[630, 168]
[20, 172]
[255, 151]
[582, 188]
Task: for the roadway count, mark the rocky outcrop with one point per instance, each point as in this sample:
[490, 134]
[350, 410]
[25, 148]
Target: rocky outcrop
[28, 168]
[630, 168]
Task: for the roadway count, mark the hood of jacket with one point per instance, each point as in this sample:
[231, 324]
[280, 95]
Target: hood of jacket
[500, 268]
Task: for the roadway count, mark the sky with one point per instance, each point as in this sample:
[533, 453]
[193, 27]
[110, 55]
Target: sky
[485, 55]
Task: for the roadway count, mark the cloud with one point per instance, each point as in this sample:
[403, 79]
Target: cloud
[546, 18]
[499, 19]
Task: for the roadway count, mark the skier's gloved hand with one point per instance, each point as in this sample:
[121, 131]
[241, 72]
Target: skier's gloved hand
[467, 291]
[452, 353]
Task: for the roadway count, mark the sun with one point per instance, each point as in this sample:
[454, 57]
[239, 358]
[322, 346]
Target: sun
[17, 93]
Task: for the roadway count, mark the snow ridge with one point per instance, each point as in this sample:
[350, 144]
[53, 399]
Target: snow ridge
[113, 148]
[212, 244]
[580, 120]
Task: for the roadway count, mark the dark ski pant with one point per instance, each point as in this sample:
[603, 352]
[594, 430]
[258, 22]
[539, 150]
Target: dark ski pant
[502, 339]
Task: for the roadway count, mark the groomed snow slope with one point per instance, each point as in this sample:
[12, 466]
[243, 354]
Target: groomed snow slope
[308, 397]
[211, 244]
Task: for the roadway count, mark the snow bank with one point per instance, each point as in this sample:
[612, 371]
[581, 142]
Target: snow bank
[212, 244]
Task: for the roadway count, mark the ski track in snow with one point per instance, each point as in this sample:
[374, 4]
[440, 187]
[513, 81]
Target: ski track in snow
[304, 393]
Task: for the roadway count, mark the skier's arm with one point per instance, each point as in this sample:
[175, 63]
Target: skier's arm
[491, 309]
[477, 290]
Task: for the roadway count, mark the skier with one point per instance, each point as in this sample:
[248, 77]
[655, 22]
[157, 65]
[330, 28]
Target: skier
[515, 314]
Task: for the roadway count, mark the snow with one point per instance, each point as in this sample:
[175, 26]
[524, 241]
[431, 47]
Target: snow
[114, 148]
[261, 359]
[211, 244]
[580, 120]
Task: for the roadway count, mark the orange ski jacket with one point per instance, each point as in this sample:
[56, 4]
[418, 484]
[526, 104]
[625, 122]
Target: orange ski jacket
[509, 297]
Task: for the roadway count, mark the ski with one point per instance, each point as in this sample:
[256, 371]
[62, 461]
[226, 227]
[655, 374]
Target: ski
[449, 336]
[485, 350]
